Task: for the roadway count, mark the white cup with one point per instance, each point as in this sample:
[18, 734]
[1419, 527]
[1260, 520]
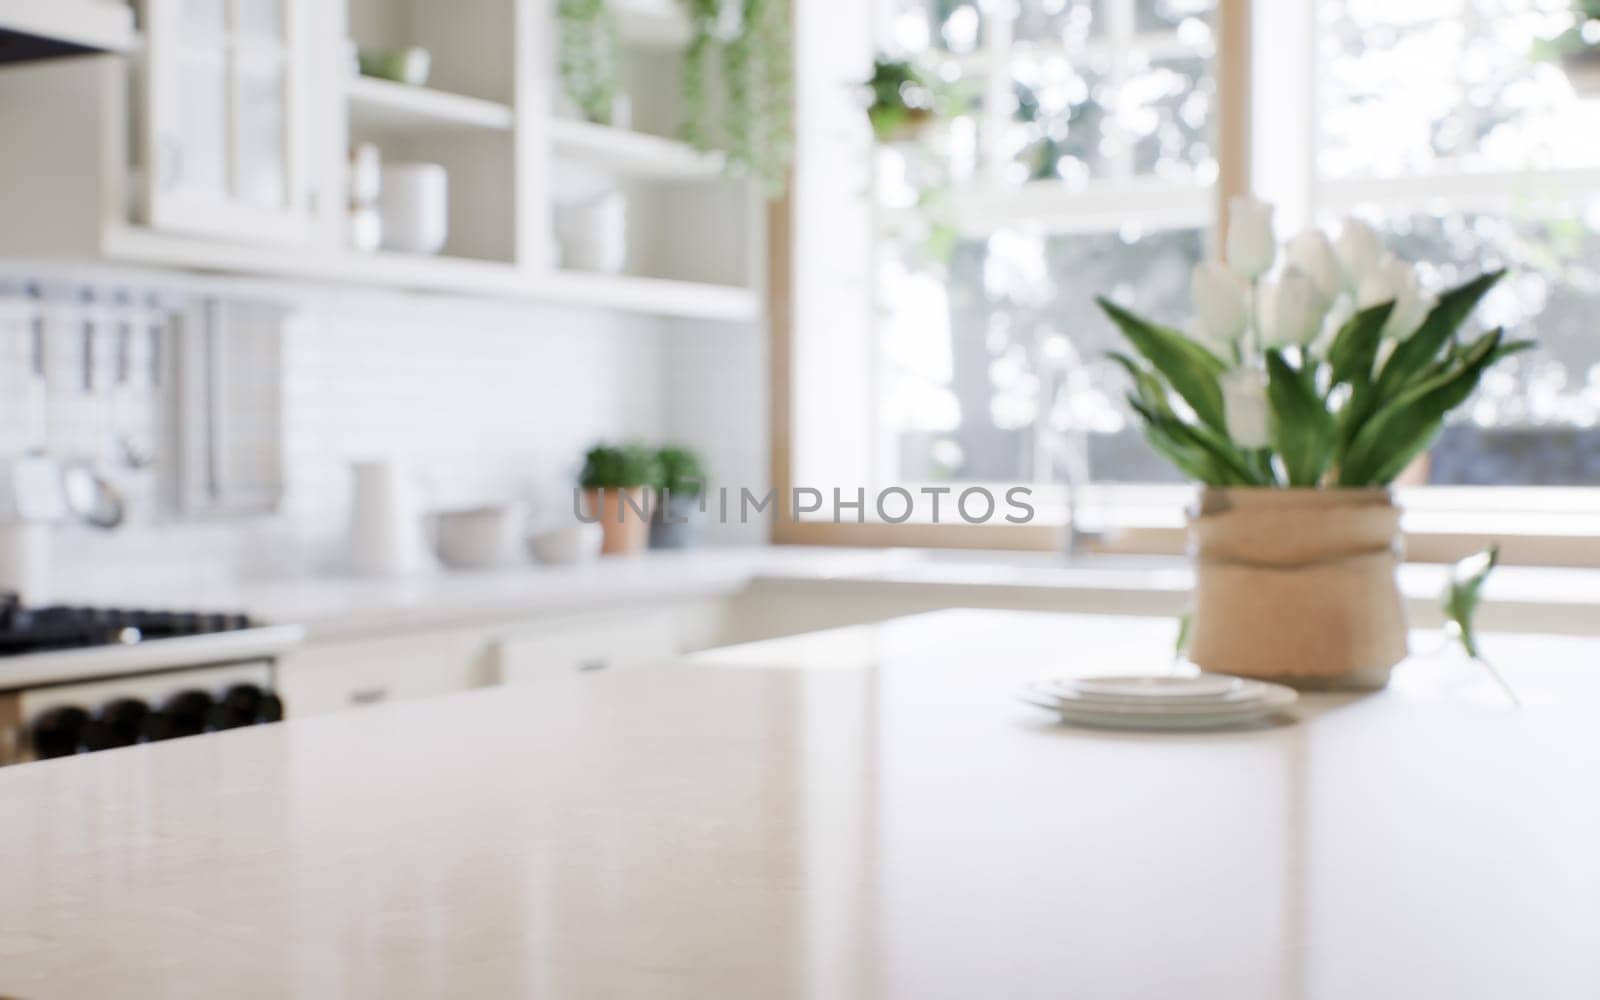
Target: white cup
[415, 202]
[594, 233]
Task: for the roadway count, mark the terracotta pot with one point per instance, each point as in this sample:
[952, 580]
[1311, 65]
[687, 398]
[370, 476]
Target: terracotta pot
[1298, 585]
[624, 518]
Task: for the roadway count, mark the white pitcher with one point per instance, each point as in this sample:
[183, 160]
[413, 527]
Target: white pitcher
[386, 537]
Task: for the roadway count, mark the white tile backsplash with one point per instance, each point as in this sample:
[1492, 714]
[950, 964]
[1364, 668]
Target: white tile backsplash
[481, 402]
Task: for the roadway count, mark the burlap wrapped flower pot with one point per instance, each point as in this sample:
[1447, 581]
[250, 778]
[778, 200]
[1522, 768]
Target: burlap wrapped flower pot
[1298, 585]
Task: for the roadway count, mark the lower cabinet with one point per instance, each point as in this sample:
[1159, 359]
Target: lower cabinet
[333, 675]
[329, 676]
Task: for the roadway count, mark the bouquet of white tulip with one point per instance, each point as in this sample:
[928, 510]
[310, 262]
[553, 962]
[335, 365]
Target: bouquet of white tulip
[1336, 371]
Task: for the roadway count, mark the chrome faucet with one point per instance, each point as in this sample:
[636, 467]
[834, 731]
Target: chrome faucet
[1061, 453]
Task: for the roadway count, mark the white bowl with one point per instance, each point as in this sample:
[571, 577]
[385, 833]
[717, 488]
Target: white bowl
[478, 538]
[576, 543]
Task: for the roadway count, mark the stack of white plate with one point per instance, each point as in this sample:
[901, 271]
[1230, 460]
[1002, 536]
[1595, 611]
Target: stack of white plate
[1206, 701]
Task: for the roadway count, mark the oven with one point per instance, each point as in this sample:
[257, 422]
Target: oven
[80, 680]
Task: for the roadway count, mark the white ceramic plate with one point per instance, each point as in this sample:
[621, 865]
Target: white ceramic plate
[1152, 689]
[1211, 715]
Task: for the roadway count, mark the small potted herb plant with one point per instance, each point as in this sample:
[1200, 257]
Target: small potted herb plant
[903, 99]
[615, 483]
[680, 483]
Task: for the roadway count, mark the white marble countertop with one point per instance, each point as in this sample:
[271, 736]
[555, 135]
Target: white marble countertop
[861, 813]
[1521, 598]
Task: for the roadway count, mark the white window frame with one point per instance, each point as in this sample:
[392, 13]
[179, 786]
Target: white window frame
[1549, 525]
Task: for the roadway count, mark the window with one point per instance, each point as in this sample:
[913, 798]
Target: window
[1082, 162]
[955, 338]
[1441, 126]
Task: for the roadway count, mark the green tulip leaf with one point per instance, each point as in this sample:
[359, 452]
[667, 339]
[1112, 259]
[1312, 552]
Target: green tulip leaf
[1413, 354]
[1191, 370]
[1355, 348]
[1303, 431]
[1402, 428]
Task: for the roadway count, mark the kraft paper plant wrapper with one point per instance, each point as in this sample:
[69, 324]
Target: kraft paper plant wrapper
[1298, 585]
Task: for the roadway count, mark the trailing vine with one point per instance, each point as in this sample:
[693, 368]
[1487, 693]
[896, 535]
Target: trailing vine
[754, 128]
[589, 57]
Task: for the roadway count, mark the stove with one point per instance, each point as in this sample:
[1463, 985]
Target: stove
[82, 679]
[33, 630]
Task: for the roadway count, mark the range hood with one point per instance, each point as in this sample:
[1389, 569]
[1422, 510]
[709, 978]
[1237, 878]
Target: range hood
[42, 29]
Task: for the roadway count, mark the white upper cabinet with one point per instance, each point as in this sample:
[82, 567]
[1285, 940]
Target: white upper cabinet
[225, 126]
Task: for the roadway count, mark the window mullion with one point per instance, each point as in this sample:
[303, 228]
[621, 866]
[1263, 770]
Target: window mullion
[1121, 29]
[999, 32]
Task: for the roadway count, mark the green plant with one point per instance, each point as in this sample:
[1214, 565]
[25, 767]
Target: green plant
[589, 56]
[679, 472]
[1462, 596]
[902, 99]
[1581, 37]
[905, 98]
[755, 130]
[1338, 372]
[618, 468]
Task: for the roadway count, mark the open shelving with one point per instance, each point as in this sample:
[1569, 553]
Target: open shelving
[637, 154]
[488, 115]
[385, 107]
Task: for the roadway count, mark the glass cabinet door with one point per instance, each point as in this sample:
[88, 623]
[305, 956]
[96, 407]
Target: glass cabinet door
[225, 118]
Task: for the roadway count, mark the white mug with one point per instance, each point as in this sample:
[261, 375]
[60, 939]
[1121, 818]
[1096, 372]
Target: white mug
[415, 202]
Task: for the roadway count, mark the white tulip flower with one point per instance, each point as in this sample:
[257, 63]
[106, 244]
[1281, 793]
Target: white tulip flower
[1221, 305]
[1313, 253]
[1293, 310]
[1244, 404]
[1251, 245]
[1359, 250]
[1394, 280]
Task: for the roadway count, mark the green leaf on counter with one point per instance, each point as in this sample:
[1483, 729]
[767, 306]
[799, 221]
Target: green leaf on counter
[1465, 593]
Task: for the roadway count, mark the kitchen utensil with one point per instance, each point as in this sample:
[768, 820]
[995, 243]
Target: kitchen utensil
[91, 498]
[409, 65]
[25, 559]
[477, 538]
[415, 205]
[386, 536]
[32, 490]
[566, 546]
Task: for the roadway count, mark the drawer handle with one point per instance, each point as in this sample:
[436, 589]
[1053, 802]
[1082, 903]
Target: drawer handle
[368, 696]
[592, 664]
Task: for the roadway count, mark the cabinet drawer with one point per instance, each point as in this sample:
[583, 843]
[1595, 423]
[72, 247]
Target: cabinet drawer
[331, 676]
[575, 646]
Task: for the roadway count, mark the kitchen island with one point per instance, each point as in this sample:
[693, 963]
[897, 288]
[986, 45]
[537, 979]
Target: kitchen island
[866, 812]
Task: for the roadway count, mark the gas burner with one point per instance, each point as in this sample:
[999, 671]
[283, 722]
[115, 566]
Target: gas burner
[32, 630]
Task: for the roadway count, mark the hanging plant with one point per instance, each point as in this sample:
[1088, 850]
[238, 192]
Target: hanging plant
[589, 57]
[747, 42]
[1577, 49]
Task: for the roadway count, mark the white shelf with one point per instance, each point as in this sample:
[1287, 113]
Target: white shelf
[652, 24]
[103, 25]
[136, 246]
[636, 154]
[660, 296]
[384, 106]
